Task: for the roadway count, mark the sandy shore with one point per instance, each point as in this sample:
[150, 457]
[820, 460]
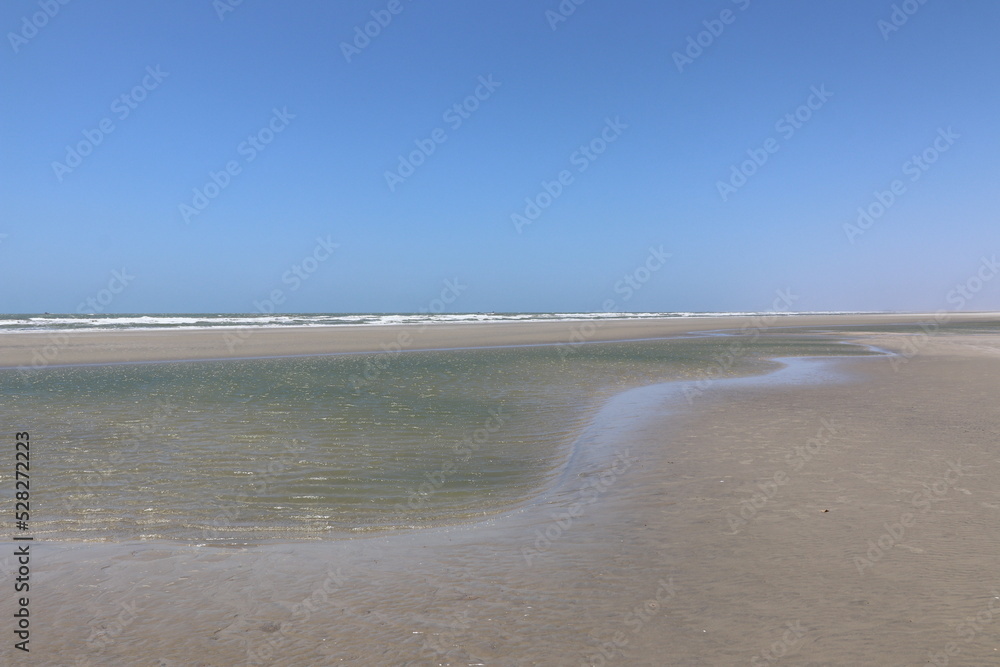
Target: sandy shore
[51, 349]
[848, 518]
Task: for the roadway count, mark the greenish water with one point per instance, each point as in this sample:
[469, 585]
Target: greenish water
[320, 446]
[966, 327]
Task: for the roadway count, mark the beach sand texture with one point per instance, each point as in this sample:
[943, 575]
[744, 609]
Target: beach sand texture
[841, 512]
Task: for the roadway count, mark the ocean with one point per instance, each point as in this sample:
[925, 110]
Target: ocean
[237, 451]
[104, 322]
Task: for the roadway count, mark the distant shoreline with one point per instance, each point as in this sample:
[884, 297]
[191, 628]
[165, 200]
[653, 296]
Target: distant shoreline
[43, 322]
[68, 347]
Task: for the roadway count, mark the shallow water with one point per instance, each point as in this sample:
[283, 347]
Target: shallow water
[317, 447]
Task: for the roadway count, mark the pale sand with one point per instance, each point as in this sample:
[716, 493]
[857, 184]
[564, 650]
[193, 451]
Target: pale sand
[38, 349]
[787, 580]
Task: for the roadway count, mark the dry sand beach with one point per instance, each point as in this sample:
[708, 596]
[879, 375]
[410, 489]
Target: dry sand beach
[839, 511]
[31, 349]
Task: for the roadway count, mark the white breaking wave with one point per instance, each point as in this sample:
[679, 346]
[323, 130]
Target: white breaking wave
[43, 323]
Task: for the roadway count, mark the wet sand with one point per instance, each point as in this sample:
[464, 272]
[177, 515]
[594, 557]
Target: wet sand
[88, 347]
[849, 518]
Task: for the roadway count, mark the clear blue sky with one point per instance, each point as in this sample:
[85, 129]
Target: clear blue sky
[323, 175]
